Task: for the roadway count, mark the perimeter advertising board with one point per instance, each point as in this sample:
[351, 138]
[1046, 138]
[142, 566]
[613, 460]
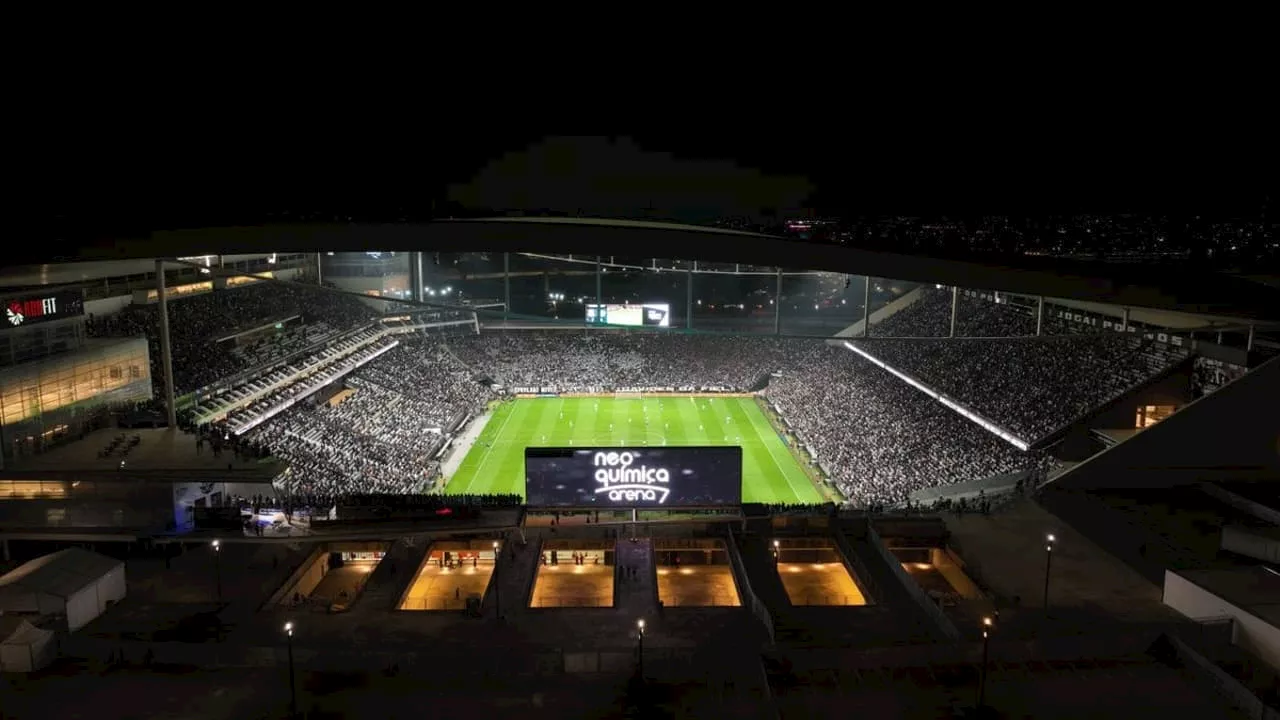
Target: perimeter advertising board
[633, 477]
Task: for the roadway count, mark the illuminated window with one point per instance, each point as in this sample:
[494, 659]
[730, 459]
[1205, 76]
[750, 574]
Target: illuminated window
[1149, 415]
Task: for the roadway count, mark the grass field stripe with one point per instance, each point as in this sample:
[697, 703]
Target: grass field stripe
[489, 449]
[769, 448]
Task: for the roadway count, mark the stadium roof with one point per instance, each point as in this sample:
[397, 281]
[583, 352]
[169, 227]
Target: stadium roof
[1180, 289]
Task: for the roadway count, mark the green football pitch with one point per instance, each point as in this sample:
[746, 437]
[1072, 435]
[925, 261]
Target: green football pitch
[495, 463]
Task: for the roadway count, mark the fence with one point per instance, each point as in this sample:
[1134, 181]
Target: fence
[826, 599]
[440, 603]
[752, 601]
[939, 618]
[543, 600]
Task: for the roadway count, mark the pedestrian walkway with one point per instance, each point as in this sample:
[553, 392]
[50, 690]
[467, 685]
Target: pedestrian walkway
[636, 591]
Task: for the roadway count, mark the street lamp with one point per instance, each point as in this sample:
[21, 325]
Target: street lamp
[497, 586]
[640, 646]
[1048, 563]
[988, 626]
[293, 688]
[217, 566]
[777, 553]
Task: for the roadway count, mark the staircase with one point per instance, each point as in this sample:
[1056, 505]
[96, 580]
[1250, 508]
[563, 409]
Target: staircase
[513, 579]
[389, 579]
[889, 585]
[636, 595]
[762, 574]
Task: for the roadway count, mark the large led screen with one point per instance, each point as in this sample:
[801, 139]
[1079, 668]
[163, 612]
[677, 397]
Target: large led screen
[633, 477]
[646, 315]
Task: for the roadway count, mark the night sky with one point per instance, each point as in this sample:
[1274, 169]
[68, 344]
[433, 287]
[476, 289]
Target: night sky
[1046, 159]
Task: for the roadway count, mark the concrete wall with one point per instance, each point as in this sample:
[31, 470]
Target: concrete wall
[1242, 540]
[889, 310]
[312, 572]
[1251, 633]
[1193, 444]
[952, 568]
[106, 306]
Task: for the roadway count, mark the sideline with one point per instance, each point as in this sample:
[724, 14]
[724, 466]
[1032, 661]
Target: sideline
[462, 446]
[798, 453]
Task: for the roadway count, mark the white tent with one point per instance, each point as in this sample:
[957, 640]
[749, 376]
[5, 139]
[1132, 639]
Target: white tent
[23, 646]
[73, 582]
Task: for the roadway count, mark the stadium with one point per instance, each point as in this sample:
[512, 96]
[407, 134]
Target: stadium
[362, 427]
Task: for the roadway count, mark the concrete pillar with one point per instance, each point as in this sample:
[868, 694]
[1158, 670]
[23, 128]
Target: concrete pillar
[1124, 321]
[1040, 316]
[955, 307]
[319, 268]
[598, 293]
[777, 306]
[419, 290]
[688, 300]
[1248, 346]
[506, 287]
[866, 307]
[546, 285]
[166, 348]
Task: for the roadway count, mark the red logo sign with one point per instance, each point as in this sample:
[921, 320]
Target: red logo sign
[19, 312]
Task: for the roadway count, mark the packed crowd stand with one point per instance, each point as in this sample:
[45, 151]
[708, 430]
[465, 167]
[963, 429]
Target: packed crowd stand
[930, 316]
[623, 359]
[320, 504]
[877, 438]
[314, 373]
[197, 322]
[1029, 386]
[386, 433]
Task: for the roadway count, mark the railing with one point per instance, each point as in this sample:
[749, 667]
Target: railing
[541, 600]
[826, 599]
[444, 603]
[715, 600]
[749, 595]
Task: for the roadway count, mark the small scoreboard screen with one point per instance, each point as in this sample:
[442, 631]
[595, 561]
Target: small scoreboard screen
[633, 477]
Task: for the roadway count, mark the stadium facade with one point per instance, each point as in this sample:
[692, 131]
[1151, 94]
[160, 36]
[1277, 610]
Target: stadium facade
[349, 388]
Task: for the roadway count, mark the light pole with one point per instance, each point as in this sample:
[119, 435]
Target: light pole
[1048, 563]
[987, 627]
[497, 586]
[640, 646]
[293, 688]
[217, 567]
[777, 553]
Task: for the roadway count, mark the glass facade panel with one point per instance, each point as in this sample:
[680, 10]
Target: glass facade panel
[735, 302]
[41, 402]
[820, 304]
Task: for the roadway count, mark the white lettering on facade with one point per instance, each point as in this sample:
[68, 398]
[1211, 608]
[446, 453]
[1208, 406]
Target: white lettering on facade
[623, 480]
